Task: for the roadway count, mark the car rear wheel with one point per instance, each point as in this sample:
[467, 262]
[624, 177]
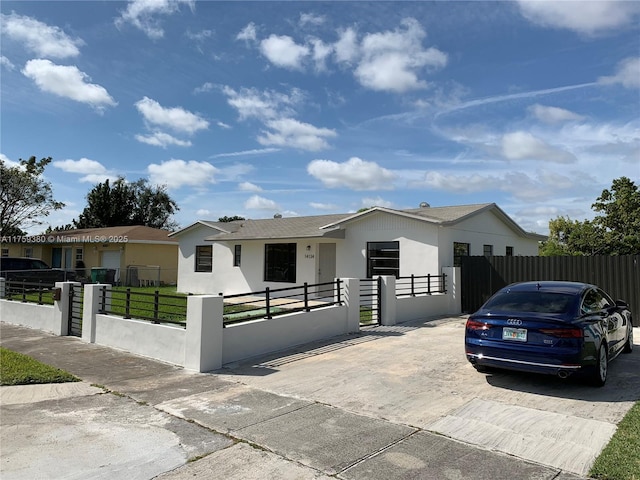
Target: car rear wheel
[599, 376]
[628, 347]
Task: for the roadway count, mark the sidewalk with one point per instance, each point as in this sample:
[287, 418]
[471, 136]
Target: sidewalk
[135, 418]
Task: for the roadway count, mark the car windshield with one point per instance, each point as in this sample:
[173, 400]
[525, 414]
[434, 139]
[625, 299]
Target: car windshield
[540, 302]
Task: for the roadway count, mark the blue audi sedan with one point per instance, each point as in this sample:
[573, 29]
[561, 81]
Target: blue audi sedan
[557, 328]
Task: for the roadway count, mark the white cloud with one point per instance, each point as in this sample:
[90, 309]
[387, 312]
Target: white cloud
[553, 115]
[257, 151]
[161, 139]
[459, 183]
[589, 18]
[68, 82]
[257, 202]
[142, 15]
[93, 171]
[84, 165]
[355, 173]
[284, 52]
[203, 212]
[42, 39]
[375, 202]
[8, 162]
[205, 87]
[311, 19]
[323, 206]
[248, 33]
[392, 60]
[175, 118]
[523, 145]
[347, 49]
[627, 74]
[287, 132]
[265, 105]
[178, 173]
[6, 63]
[249, 187]
[320, 53]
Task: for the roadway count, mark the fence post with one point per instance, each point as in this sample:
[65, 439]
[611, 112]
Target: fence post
[204, 335]
[352, 300]
[93, 294]
[267, 303]
[388, 297]
[452, 287]
[2, 287]
[61, 308]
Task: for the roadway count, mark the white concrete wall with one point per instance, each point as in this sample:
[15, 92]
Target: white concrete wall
[422, 306]
[483, 229]
[30, 315]
[418, 245]
[190, 281]
[162, 342]
[258, 337]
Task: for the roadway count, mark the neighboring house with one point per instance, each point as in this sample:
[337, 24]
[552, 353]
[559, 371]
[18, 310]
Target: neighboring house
[249, 255]
[130, 255]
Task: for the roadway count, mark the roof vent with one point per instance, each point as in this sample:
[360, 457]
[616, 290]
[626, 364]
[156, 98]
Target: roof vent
[277, 215]
[424, 205]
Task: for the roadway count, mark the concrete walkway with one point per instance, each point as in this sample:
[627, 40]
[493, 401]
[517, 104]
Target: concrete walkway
[135, 418]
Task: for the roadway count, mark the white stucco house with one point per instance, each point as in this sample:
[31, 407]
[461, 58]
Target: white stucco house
[249, 255]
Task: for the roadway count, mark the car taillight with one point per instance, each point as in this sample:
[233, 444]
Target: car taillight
[476, 325]
[562, 332]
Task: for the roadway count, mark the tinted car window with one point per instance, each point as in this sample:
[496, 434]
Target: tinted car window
[594, 301]
[541, 302]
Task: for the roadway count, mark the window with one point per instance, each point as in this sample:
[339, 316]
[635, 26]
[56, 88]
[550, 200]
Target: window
[204, 258]
[5, 252]
[27, 252]
[509, 252]
[383, 258]
[595, 300]
[237, 255]
[459, 250]
[280, 262]
[487, 250]
[79, 255]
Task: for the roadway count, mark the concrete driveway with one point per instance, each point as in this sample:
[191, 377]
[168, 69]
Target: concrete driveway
[417, 375]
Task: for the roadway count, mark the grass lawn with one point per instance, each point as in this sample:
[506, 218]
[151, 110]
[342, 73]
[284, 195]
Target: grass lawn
[620, 460]
[19, 369]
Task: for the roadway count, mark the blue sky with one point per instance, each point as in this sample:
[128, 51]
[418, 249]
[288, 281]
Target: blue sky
[309, 108]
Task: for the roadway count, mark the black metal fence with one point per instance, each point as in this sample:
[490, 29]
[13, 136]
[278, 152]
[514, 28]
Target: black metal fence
[29, 292]
[370, 301]
[270, 302]
[420, 285]
[619, 276]
[155, 307]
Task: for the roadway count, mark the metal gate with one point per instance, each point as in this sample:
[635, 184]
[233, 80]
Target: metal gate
[76, 296]
[370, 301]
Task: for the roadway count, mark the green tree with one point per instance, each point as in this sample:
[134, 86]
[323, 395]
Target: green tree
[226, 219]
[571, 237]
[616, 231]
[619, 217]
[25, 197]
[123, 203]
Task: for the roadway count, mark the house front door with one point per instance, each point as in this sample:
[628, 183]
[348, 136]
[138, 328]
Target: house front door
[326, 262]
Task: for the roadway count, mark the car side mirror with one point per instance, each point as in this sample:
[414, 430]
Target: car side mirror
[621, 304]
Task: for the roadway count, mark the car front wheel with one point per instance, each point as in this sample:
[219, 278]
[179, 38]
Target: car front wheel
[599, 376]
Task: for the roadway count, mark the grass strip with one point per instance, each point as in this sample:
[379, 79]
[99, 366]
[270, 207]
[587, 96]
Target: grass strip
[620, 459]
[19, 369]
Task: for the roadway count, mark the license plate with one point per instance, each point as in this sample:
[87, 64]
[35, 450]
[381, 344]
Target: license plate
[517, 334]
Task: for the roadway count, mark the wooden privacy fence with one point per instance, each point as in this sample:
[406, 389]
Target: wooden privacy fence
[617, 275]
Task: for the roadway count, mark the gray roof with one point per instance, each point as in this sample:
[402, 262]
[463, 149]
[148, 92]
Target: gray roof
[332, 226]
[284, 228]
